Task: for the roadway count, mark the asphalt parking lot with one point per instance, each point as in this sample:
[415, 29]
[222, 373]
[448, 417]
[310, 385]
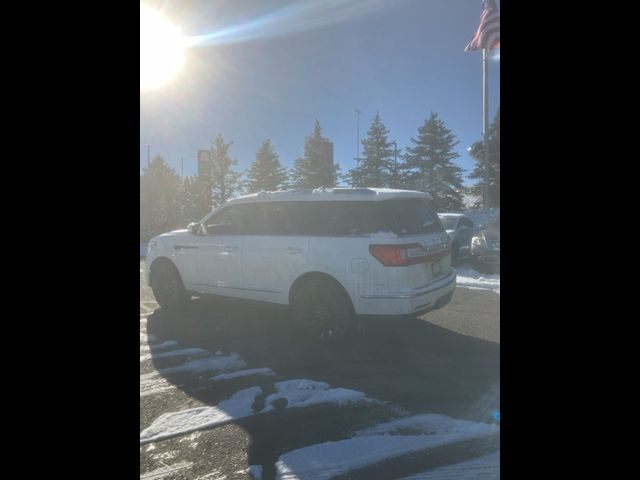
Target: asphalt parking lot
[228, 391]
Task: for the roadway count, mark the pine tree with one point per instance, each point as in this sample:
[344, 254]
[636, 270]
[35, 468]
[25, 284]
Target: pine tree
[428, 165]
[159, 206]
[312, 171]
[193, 199]
[265, 172]
[377, 168]
[477, 153]
[224, 181]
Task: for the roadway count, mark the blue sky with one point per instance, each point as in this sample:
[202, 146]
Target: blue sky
[269, 68]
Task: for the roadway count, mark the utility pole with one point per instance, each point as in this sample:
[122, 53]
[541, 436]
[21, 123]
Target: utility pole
[148, 155]
[358, 112]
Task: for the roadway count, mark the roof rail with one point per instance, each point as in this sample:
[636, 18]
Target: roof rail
[353, 190]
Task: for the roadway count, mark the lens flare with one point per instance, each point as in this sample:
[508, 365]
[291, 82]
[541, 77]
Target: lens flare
[162, 47]
[298, 16]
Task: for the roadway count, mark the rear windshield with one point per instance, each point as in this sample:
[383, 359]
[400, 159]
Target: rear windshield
[402, 217]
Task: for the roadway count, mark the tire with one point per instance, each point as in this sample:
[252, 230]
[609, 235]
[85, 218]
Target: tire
[322, 311]
[455, 254]
[167, 286]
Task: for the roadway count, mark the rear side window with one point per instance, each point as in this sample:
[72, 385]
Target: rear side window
[412, 216]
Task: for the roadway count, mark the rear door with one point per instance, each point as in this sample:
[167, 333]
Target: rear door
[275, 251]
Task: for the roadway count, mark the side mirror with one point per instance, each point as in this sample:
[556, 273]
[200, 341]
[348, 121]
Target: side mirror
[194, 228]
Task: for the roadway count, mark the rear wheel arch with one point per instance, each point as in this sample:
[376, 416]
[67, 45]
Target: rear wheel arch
[310, 276]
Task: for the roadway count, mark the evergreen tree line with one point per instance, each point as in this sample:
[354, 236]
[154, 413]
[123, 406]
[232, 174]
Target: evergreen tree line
[168, 201]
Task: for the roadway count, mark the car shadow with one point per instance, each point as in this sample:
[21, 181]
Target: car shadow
[417, 366]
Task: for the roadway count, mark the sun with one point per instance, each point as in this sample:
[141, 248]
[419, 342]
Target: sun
[162, 47]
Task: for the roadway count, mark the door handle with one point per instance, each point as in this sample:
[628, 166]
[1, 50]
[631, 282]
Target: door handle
[184, 247]
[229, 248]
[293, 251]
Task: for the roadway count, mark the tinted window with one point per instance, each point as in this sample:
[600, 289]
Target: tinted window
[412, 216]
[464, 222]
[403, 217]
[229, 221]
[449, 223]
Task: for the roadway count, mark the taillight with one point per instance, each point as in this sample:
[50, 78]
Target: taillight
[401, 255]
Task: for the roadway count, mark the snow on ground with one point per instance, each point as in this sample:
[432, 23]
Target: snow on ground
[184, 352]
[481, 216]
[483, 468]
[172, 424]
[303, 393]
[255, 471]
[152, 383]
[157, 346]
[387, 440]
[219, 362]
[298, 393]
[470, 278]
[428, 423]
[166, 472]
[243, 373]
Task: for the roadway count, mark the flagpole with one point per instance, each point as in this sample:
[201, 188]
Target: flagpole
[485, 128]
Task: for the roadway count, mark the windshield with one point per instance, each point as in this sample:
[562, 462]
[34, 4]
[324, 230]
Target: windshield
[449, 223]
[494, 224]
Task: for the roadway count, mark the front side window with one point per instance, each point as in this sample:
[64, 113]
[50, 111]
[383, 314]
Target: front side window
[228, 221]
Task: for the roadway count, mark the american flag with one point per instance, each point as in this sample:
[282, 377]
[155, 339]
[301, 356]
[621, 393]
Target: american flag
[488, 34]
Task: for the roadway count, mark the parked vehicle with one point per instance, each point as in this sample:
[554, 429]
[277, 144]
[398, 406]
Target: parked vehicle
[485, 247]
[460, 229]
[333, 255]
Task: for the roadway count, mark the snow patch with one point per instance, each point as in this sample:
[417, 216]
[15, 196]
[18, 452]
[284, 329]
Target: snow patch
[303, 393]
[482, 216]
[178, 423]
[152, 383]
[185, 352]
[243, 373]
[220, 363]
[483, 468]
[470, 278]
[160, 346]
[166, 471]
[327, 460]
[383, 236]
[428, 424]
[255, 471]
[297, 393]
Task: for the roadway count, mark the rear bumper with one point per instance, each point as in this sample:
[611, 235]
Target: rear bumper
[415, 302]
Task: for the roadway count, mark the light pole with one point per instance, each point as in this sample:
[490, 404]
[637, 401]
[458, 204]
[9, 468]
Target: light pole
[148, 155]
[395, 164]
[182, 159]
[358, 112]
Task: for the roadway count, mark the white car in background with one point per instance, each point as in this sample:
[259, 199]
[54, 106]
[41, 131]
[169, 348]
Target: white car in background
[460, 229]
[332, 255]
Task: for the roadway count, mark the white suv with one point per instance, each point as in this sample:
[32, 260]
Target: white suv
[333, 255]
